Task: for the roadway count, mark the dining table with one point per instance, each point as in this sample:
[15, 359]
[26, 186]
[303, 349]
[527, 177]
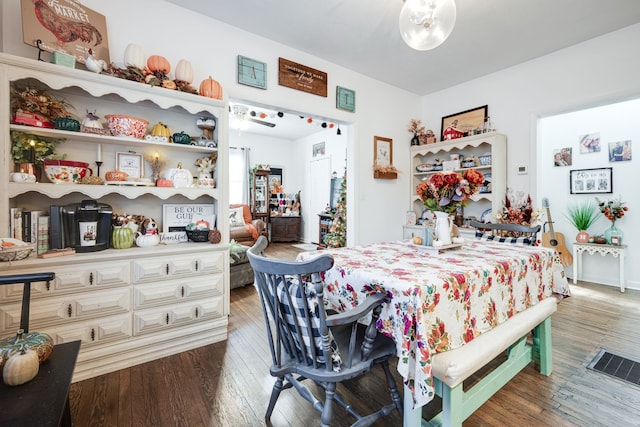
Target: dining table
[440, 298]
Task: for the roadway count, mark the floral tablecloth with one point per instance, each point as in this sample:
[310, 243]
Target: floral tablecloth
[440, 301]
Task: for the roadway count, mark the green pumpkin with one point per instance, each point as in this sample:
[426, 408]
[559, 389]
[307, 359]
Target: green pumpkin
[67, 123]
[36, 341]
[122, 237]
[181, 138]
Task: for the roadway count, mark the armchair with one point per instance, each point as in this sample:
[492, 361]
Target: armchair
[243, 228]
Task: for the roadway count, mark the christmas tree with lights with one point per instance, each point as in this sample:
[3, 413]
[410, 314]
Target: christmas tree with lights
[337, 235]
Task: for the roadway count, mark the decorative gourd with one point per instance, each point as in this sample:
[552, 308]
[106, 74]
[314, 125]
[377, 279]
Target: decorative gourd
[92, 121]
[122, 237]
[181, 178]
[157, 63]
[39, 342]
[160, 129]
[21, 367]
[181, 138]
[215, 236]
[184, 71]
[164, 183]
[169, 84]
[144, 240]
[134, 56]
[211, 88]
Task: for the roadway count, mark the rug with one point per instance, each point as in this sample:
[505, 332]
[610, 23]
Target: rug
[616, 366]
[306, 246]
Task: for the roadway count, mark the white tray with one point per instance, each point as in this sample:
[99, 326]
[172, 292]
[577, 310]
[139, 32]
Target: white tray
[437, 249]
[134, 183]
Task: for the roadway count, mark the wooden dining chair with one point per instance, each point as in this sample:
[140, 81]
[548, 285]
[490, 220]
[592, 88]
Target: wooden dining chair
[506, 233]
[308, 343]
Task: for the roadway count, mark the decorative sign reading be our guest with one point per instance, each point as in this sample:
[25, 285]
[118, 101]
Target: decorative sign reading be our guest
[301, 77]
[177, 217]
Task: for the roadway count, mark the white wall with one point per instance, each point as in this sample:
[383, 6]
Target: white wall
[593, 73]
[616, 122]
[212, 47]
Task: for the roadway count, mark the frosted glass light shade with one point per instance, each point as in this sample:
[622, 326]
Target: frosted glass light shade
[425, 24]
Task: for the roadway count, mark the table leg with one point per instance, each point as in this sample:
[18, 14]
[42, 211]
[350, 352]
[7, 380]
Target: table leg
[622, 276]
[577, 257]
[412, 417]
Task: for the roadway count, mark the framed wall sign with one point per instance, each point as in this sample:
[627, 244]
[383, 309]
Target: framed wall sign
[300, 77]
[460, 124]
[131, 163]
[71, 28]
[345, 99]
[591, 181]
[382, 151]
[252, 72]
[177, 217]
[318, 149]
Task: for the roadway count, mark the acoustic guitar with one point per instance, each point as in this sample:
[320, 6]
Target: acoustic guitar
[551, 239]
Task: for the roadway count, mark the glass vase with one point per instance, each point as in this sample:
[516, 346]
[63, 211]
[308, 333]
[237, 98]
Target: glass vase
[613, 235]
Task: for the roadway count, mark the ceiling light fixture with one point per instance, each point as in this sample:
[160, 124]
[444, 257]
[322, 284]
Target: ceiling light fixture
[426, 24]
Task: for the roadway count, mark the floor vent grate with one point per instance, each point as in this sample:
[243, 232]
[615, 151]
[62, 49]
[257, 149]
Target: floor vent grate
[616, 366]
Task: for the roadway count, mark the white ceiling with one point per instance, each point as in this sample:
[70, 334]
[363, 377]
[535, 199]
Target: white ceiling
[362, 35]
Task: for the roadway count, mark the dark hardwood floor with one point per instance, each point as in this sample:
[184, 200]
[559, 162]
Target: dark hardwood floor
[228, 383]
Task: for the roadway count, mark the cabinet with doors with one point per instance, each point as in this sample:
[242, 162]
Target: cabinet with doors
[260, 196]
[485, 152]
[127, 306]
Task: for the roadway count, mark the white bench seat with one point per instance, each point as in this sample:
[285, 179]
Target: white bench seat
[452, 367]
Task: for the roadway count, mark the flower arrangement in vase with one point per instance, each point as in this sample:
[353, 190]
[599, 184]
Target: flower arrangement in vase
[517, 209]
[443, 193]
[583, 215]
[613, 210]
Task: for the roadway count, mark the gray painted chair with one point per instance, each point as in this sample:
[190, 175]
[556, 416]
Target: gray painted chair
[517, 233]
[303, 337]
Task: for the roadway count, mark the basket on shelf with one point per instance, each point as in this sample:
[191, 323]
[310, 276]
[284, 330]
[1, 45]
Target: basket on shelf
[200, 235]
[485, 160]
[15, 252]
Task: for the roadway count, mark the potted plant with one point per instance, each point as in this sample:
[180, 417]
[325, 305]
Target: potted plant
[30, 151]
[582, 215]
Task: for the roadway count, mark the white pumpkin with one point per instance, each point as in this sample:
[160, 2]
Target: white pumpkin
[184, 71]
[21, 367]
[181, 178]
[92, 121]
[134, 56]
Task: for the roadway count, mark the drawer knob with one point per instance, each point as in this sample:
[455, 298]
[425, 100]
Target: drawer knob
[91, 278]
[70, 310]
[93, 334]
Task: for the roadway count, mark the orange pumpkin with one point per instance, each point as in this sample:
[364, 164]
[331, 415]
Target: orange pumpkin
[158, 63]
[164, 183]
[211, 88]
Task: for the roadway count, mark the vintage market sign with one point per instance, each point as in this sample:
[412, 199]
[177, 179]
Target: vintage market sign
[65, 26]
[300, 77]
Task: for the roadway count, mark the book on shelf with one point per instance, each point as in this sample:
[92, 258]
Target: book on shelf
[33, 230]
[15, 223]
[42, 234]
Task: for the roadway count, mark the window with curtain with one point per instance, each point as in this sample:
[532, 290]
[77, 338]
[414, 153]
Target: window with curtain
[239, 175]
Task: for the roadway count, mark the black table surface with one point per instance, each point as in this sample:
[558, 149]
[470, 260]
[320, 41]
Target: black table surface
[41, 401]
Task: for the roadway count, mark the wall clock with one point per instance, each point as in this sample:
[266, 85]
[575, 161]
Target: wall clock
[345, 99]
[252, 72]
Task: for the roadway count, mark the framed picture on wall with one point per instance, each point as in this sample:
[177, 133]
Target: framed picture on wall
[620, 151]
[591, 181]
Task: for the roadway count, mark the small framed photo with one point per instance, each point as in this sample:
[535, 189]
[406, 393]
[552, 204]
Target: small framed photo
[620, 151]
[318, 149]
[130, 163]
[591, 181]
[411, 218]
[382, 151]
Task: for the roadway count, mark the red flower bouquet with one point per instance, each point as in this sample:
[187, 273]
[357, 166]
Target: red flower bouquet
[445, 191]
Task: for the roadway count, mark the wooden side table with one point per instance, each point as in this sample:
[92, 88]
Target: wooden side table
[617, 251]
[43, 401]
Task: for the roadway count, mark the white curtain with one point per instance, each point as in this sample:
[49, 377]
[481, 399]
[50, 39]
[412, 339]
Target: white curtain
[239, 174]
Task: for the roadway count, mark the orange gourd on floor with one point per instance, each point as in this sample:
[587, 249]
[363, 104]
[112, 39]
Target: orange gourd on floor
[211, 88]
